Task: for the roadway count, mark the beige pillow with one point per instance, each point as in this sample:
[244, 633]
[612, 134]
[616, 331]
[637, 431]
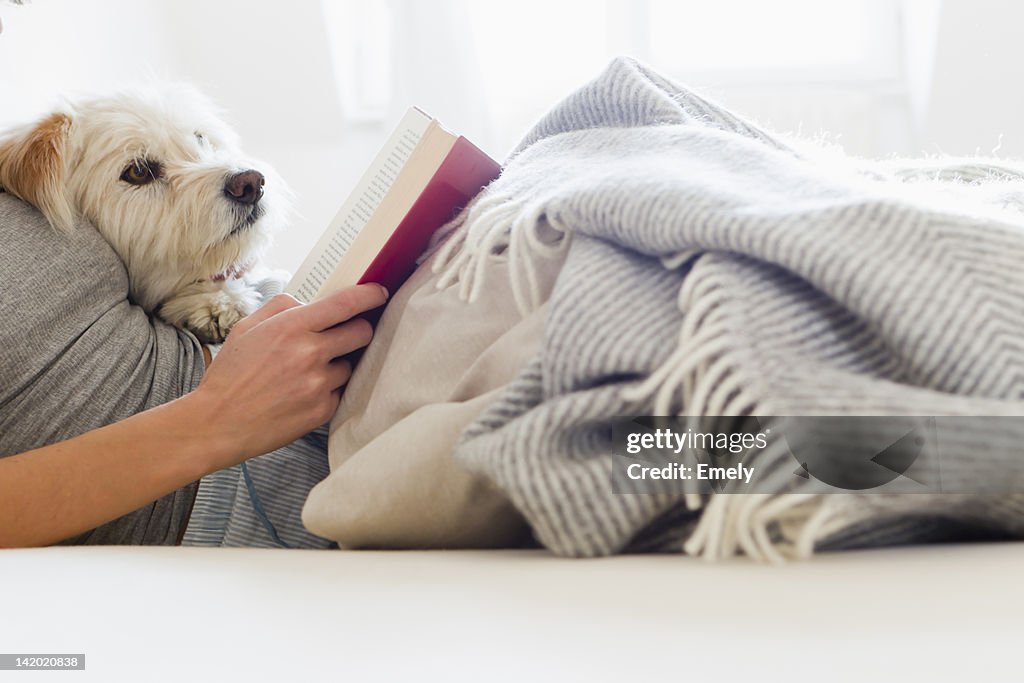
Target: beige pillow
[435, 363]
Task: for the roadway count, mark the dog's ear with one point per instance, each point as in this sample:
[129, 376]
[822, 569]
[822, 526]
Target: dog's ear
[32, 168]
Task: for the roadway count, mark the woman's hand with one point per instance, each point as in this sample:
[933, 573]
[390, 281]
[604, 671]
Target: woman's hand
[280, 372]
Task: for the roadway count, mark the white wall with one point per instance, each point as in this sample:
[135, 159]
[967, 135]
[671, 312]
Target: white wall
[60, 47]
[976, 103]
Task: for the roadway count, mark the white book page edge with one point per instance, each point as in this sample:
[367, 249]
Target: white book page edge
[357, 210]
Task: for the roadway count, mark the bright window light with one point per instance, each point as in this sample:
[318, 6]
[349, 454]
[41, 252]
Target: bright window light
[781, 34]
[360, 43]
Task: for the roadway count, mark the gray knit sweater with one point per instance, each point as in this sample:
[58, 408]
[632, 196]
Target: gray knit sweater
[75, 354]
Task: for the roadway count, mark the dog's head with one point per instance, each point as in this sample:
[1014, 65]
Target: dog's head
[159, 174]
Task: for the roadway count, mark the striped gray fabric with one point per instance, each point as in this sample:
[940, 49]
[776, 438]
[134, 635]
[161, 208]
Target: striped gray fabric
[715, 269]
[225, 515]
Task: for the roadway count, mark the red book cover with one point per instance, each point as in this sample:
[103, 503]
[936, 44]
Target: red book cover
[462, 174]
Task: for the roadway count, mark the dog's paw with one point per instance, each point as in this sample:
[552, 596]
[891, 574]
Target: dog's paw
[210, 315]
[212, 322]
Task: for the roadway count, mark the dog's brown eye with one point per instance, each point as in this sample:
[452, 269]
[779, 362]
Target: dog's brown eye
[140, 172]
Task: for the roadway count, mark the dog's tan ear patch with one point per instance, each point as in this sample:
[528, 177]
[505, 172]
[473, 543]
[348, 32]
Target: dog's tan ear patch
[32, 168]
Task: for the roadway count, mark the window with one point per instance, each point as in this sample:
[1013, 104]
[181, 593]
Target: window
[795, 65]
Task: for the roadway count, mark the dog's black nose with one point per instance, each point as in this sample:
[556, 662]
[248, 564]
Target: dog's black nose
[245, 187]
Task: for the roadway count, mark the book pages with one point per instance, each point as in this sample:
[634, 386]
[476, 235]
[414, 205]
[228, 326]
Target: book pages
[359, 207]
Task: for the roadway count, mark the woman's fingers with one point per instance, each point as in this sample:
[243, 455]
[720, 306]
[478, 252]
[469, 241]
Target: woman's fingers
[278, 304]
[341, 305]
[346, 338]
[339, 372]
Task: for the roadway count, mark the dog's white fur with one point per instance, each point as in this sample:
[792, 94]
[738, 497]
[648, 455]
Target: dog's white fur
[184, 242]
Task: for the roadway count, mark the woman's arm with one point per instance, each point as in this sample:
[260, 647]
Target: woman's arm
[277, 377]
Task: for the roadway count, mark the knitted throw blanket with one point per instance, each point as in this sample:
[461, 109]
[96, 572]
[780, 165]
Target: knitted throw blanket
[714, 269]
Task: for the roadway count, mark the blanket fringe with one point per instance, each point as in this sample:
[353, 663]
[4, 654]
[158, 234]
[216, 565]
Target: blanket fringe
[499, 228]
[703, 377]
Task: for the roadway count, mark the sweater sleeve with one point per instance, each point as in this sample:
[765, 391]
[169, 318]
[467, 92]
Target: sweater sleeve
[76, 354]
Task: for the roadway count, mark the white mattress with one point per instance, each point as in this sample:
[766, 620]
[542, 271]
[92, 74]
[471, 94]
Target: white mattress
[142, 614]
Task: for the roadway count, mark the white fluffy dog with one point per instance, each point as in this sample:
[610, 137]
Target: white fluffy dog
[162, 178]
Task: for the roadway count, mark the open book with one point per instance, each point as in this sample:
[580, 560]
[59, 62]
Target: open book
[420, 180]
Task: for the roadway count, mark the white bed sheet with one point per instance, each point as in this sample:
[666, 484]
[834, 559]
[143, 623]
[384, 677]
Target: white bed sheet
[194, 614]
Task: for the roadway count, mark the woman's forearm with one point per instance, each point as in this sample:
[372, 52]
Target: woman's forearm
[61, 490]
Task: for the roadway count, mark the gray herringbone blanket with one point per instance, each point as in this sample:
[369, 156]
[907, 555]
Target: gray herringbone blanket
[714, 269]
